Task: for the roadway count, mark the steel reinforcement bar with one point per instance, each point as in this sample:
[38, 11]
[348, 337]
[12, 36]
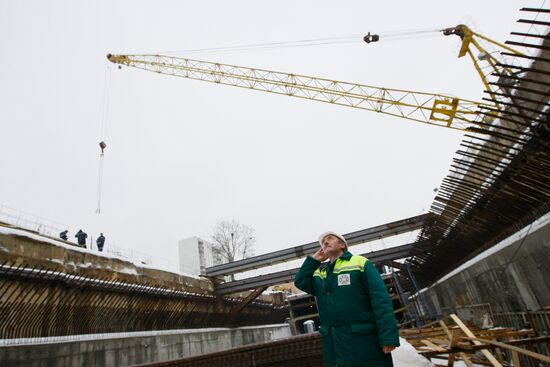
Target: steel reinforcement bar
[40, 302]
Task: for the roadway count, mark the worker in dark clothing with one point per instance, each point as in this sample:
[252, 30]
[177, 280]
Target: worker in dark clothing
[81, 237]
[358, 326]
[100, 242]
[63, 235]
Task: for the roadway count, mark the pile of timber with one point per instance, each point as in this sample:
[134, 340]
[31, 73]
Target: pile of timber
[454, 341]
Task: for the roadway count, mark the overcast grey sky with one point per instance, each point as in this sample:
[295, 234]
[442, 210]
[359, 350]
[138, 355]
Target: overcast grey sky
[185, 154]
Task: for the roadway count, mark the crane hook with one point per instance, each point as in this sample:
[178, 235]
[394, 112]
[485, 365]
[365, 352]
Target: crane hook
[102, 145]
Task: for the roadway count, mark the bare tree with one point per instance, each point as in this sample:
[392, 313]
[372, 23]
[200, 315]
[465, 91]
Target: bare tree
[235, 241]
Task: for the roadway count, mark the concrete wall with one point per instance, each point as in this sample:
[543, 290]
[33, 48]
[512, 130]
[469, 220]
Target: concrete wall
[515, 278]
[114, 350]
[49, 288]
[18, 246]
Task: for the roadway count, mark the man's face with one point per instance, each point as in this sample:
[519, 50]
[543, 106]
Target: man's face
[332, 245]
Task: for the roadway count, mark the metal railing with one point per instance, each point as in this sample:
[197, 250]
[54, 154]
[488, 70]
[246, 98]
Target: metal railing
[51, 228]
[140, 258]
[29, 221]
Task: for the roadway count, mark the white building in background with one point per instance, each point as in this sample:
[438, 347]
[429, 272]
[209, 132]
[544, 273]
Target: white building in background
[196, 254]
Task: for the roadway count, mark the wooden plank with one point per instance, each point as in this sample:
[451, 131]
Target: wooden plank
[515, 359]
[540, 357]
[510, 334]
[426, 335]
[445, 328]
[468, 347]
[465, 347]
[433, 346]
[451, 360]
[410, 334]
[469, 333]
[422, 330]
[466, 359]
[455, 337]
[440, 341]
[495, 331]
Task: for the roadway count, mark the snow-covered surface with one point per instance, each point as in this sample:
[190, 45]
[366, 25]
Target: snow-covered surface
[533, 227]
[407, 356]
[135, 334]
[36, 237]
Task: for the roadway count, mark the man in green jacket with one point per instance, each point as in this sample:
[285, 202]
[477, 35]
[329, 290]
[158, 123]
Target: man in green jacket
[358, 326]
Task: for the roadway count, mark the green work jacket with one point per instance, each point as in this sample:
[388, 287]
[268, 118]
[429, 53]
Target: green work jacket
[356, 312]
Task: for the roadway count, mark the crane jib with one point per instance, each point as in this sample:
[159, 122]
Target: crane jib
[434, 109]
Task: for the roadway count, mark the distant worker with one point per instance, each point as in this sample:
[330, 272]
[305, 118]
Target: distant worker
[64, 235]
[358, 326]
[81, 237]
[100, 242]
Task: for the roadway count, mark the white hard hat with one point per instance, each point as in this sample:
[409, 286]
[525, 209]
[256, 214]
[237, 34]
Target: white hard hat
[321, 237]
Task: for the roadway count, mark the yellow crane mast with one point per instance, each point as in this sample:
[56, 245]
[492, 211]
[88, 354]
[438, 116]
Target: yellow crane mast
[470, 38]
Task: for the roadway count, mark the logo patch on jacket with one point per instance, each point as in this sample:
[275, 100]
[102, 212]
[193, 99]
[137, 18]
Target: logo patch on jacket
[344, 279]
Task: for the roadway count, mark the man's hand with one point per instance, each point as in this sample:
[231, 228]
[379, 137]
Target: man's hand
[388, 349]
[320, 255]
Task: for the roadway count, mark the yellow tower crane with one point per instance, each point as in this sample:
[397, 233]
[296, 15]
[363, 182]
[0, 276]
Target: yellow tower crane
[429, 108]
[470, 38]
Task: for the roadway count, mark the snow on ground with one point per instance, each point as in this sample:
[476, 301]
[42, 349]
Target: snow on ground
[23, 233]
[407, 356]
[37, 237]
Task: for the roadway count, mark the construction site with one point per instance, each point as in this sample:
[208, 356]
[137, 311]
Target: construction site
[468, 278]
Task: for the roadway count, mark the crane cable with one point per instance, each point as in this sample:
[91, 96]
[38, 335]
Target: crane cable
[353, 38]
[103, 132]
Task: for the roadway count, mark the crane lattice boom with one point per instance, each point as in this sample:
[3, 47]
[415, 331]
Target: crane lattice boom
[428, 108]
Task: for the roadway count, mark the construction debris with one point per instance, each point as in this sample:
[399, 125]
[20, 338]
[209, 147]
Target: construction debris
[496, 347]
